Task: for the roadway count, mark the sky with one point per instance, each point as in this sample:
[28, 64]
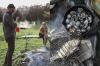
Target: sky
[20, 3]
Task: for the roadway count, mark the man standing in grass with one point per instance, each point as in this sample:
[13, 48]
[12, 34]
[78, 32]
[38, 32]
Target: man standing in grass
[43, 33]
[9, 33]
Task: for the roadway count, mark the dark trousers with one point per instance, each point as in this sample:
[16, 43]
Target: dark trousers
[10, 51]
[44, 38]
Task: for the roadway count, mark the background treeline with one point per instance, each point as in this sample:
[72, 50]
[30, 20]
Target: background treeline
[32, 13]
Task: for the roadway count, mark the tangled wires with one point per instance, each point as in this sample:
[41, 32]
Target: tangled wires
[78, 21]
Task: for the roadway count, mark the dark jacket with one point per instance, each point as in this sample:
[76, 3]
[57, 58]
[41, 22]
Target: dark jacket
[8, 26]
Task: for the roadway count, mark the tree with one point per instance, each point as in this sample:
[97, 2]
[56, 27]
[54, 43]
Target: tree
[1, 15]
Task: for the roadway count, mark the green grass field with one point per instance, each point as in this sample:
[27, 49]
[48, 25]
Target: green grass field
[33, 43]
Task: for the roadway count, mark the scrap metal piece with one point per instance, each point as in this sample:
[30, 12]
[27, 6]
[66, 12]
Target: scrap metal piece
[67, 49]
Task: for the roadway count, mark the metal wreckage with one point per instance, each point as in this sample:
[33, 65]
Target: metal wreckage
[74, 33]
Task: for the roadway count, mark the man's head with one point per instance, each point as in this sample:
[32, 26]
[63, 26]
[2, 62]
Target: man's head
[11, 8]
[44, 23]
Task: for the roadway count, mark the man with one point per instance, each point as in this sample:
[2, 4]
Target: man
[43, 33]
[9, 33]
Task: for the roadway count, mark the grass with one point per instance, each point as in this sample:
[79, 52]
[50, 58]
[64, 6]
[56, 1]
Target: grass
[20, 43]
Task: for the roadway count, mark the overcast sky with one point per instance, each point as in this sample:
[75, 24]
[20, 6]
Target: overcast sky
[18, 3]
